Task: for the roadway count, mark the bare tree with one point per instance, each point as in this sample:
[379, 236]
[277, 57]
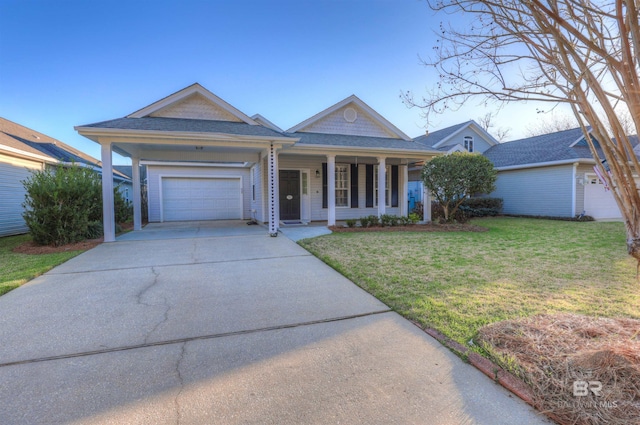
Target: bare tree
[583, 53]
[487, 122]
[551, 124]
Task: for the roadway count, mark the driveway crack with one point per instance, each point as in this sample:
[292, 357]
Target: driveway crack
[165, 303]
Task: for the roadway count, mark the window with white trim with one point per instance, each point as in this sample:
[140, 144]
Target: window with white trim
[387, 186]
[468, 143]
[342, 185]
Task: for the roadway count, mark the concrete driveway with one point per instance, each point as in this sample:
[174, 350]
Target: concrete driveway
[166, 327]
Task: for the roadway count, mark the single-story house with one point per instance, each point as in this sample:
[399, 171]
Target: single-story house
[551, 175]
[207, 160]
[22, 151]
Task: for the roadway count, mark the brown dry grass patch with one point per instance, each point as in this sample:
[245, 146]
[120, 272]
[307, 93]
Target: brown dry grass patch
[430, 227]
[553, 352]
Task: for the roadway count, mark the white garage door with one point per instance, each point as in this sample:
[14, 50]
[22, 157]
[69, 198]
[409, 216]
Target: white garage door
[188, 199]
[599, 203]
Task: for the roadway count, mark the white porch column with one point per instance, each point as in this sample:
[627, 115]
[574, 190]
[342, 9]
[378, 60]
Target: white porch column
[426, 205]
[274, 191]
[331, 190]
[382, 184]
[404, 188]
[137, 198]
[108, 214]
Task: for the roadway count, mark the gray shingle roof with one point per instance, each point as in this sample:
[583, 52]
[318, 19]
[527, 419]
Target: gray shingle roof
[310, 139]
[436, 137]
[187, 125]
[22, 138]
[544, 148]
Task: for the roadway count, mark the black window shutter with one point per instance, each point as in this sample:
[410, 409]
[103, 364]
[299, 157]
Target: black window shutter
[354, 186]
[369, 185]
[324, 185]
[394, 185]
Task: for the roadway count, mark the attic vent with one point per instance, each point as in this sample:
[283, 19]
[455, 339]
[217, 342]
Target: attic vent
[350, 115]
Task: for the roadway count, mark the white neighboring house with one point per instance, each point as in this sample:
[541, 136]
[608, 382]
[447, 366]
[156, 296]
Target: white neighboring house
[551, 175]
[22, 151]
[207, 160]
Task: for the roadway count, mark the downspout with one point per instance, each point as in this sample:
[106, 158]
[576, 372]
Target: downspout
[574, 176]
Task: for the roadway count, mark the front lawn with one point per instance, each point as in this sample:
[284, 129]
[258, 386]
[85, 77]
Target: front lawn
[457, 282]
[16, 269]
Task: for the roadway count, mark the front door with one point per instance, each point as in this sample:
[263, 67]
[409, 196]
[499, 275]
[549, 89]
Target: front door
[289, 195]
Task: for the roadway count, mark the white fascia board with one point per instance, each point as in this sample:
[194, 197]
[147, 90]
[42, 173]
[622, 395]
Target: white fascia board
[198, 164]
[111, 133]
[355, 100]
[579, 139]
[262, 120]
[456, 148]
[365, 151]
[28, 155]
[547, 164]
[186, 92]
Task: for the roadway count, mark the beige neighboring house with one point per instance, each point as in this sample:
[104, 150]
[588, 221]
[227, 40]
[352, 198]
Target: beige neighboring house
[22, 151]
[207, 160]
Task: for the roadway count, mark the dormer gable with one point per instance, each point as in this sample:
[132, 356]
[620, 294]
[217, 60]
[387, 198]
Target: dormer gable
[193, 102]
[350, 117]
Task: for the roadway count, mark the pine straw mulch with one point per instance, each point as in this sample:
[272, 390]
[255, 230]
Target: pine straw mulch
[430, 227]
[554, 351]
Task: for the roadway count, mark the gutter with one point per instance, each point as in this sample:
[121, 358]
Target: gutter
[547, 164]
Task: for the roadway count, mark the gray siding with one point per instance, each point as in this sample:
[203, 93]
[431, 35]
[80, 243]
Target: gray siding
[12, 172]
[155, 173]
[479, 144]
[536, 191]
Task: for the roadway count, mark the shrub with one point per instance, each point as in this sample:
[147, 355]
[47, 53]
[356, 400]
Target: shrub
[364, 221]
[437, 214]
[374, 220]
[95, 230]
[404, 221]
[388, 220]
[482, 207]
[351, 222]
[59, 203]
[414, 217]
[123, 209]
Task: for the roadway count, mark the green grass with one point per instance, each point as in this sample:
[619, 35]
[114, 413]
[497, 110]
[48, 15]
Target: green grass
[457, 282]
[17, 269]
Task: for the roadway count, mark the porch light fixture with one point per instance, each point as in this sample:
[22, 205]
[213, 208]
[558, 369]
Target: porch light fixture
[317, 174]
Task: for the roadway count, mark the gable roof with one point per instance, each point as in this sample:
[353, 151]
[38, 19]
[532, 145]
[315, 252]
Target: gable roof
[194, 91]
[568, 145]
[353, 100]
[443, 139]
[21, 140]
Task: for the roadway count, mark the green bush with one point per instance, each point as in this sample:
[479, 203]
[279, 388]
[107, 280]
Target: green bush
[59, 203]
[351, 222]
[123, 209]
[437, 214]
[374, 220]
[482, 207]
[414, 217]
[388, 220]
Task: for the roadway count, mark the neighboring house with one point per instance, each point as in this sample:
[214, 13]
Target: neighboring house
[551, 175]
[23, 151]
[207, 160]
[464, 137]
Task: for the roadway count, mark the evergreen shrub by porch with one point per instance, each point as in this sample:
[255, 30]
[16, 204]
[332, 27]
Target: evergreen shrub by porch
[64, 205]
[59, 203]
[482, 207]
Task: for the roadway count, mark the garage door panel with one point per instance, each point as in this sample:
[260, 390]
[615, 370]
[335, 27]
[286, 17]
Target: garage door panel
[188, 199]
[598, 202]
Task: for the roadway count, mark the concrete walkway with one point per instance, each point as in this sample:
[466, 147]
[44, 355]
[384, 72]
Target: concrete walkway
[230, 329]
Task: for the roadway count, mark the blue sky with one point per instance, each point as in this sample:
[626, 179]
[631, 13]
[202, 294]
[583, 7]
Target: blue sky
[67, 63]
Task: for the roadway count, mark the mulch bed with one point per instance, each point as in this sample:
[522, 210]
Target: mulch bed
[431, 227]
[581, 370]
